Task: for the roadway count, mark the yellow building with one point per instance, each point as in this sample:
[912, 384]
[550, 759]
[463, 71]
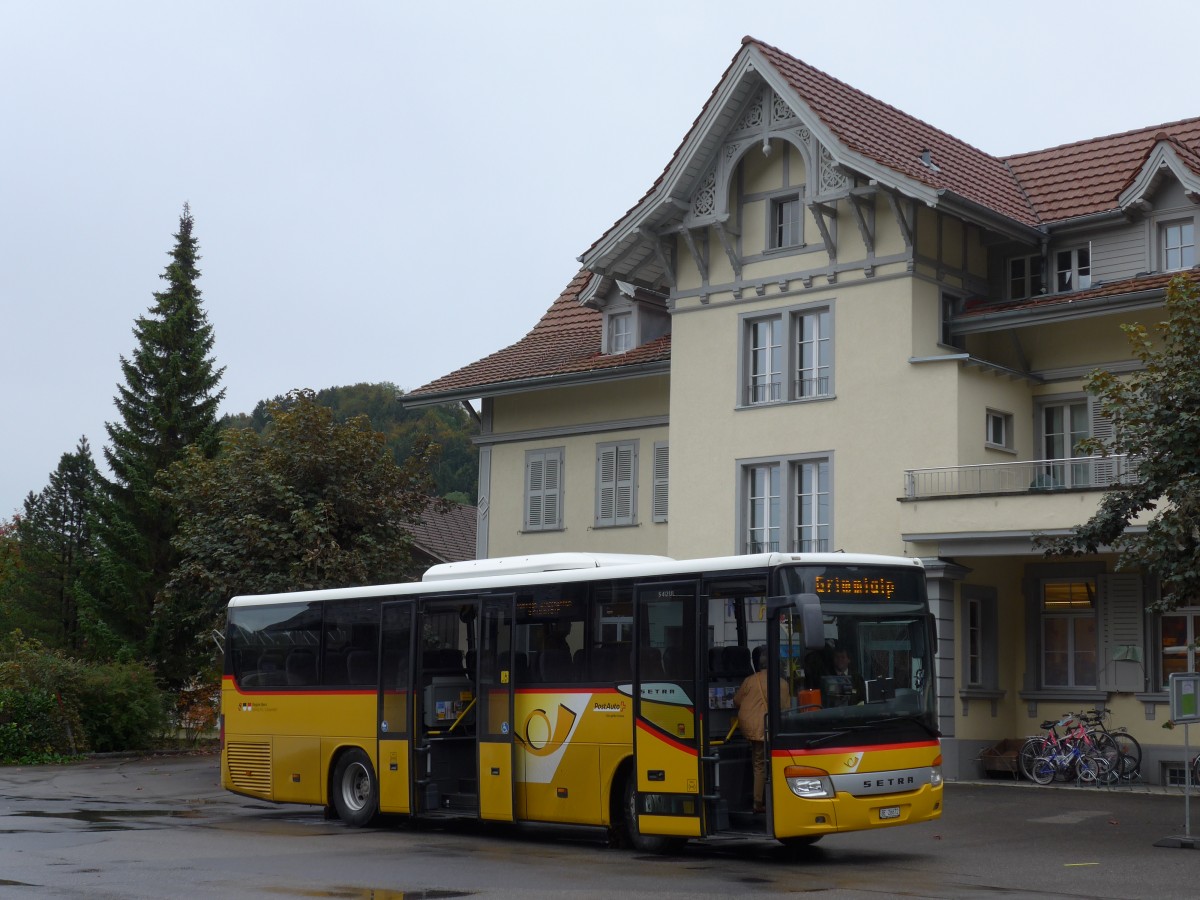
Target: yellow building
[828, 325]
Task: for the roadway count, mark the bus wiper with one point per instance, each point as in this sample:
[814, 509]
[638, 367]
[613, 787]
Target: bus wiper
[933, 732]
[831, 735]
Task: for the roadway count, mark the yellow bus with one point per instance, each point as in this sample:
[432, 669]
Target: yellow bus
[595, 689]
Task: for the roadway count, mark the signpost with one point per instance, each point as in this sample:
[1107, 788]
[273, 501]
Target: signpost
[1184, 690]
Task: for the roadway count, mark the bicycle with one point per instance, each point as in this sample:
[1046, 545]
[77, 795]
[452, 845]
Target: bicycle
[1082, 755]
[1129, 762]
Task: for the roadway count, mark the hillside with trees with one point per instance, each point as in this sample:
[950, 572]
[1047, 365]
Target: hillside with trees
[455, 474]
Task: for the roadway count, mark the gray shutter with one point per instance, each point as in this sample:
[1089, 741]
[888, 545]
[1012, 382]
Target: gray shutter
[658, 512]
[552, 491]
[1122, 619]
[1104, 468]
[535, 477]
[543, 490]
[606, 485]
[626, 472]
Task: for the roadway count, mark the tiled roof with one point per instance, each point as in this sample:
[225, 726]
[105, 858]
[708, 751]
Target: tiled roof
[1041, 187]
[565, 341]
[895, 139]
[1138, 284]
[446, 536]
[1087, 176]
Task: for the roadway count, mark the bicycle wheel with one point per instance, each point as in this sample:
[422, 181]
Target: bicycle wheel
[1130, 764]
[1042, 770]
[1102, 745]
[1196, 771]
[1091, 768]
[1031, 750]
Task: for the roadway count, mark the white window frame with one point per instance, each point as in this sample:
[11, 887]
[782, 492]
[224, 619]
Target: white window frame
[1073, 269]
[621, 327]
[616, 484]
[786, 232]
[998, 424]
[785, 504]
[1071, 617]
[1060, 474]
[787, 355]
[544, 494]
[1032, 281]
[1177, 244]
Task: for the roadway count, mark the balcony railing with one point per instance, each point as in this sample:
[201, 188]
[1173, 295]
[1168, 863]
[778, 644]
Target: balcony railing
[1017, 477]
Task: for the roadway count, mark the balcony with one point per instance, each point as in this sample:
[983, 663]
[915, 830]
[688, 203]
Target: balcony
[1030, 476]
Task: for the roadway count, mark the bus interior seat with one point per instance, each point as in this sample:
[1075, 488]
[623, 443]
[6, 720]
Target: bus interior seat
[555, 665]
[360, 667]
[651, 663]
[716, 662]
[737, 661]
[301, 666]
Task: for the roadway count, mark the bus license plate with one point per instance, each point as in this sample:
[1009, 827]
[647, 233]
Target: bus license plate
[889, 812]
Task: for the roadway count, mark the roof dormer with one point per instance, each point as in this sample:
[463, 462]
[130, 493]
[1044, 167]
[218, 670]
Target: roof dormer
[633, 315]
[1167, 158]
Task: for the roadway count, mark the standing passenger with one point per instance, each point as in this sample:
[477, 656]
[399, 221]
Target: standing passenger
[751, 703]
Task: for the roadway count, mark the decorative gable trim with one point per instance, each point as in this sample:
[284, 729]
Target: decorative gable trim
[1163, 159]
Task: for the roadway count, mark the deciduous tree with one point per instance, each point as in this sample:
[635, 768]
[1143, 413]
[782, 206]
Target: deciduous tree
[309, 503]
[1156, 420]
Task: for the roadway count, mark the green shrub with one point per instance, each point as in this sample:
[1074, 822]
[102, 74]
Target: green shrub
[30, 727]
[76, 706]
[122, 708]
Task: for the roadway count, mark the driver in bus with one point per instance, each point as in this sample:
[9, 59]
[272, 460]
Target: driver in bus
[751, 703]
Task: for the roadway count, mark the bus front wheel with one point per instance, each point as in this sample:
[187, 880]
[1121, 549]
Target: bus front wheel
[646, 843]
[355, 789]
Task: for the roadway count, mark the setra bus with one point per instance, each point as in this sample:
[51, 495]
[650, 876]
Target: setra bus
[594, 689]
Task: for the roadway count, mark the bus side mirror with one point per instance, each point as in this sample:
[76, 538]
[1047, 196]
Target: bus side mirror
[809, 606]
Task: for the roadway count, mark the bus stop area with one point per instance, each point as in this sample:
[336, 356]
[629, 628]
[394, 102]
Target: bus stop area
[162, 827]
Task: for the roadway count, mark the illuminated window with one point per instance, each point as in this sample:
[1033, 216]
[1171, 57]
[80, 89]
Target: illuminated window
[1024, 277]
[1073, 269]
[1178, 633]
[1068, 632]
[787, 356]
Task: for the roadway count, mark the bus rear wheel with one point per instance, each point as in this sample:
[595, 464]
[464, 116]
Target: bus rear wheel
[355, 789]
[646, 843]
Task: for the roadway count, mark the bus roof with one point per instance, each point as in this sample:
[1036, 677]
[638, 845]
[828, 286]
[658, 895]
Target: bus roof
[538, 562]
[601, 567]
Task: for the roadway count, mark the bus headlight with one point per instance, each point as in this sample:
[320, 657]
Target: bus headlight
[808, 782]
[935, 773]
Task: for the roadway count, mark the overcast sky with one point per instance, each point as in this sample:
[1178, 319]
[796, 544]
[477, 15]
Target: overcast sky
[386, 191]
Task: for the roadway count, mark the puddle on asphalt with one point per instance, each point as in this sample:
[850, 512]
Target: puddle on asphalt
[357, 893]
[107, 819]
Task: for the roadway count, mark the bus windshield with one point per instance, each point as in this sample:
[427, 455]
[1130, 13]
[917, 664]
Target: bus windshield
[867, 679]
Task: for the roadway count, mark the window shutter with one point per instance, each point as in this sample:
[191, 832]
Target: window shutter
[606, 486]
[1104, 468]
[552, 491]
[543, 473]
[1121, 633]
[658, 511]
[626, 466]
[616, 479]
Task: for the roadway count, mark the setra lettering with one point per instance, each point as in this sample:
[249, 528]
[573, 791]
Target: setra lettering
[889, 782]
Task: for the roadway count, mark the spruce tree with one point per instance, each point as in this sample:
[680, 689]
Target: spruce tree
[168, 402]
[55, 535]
